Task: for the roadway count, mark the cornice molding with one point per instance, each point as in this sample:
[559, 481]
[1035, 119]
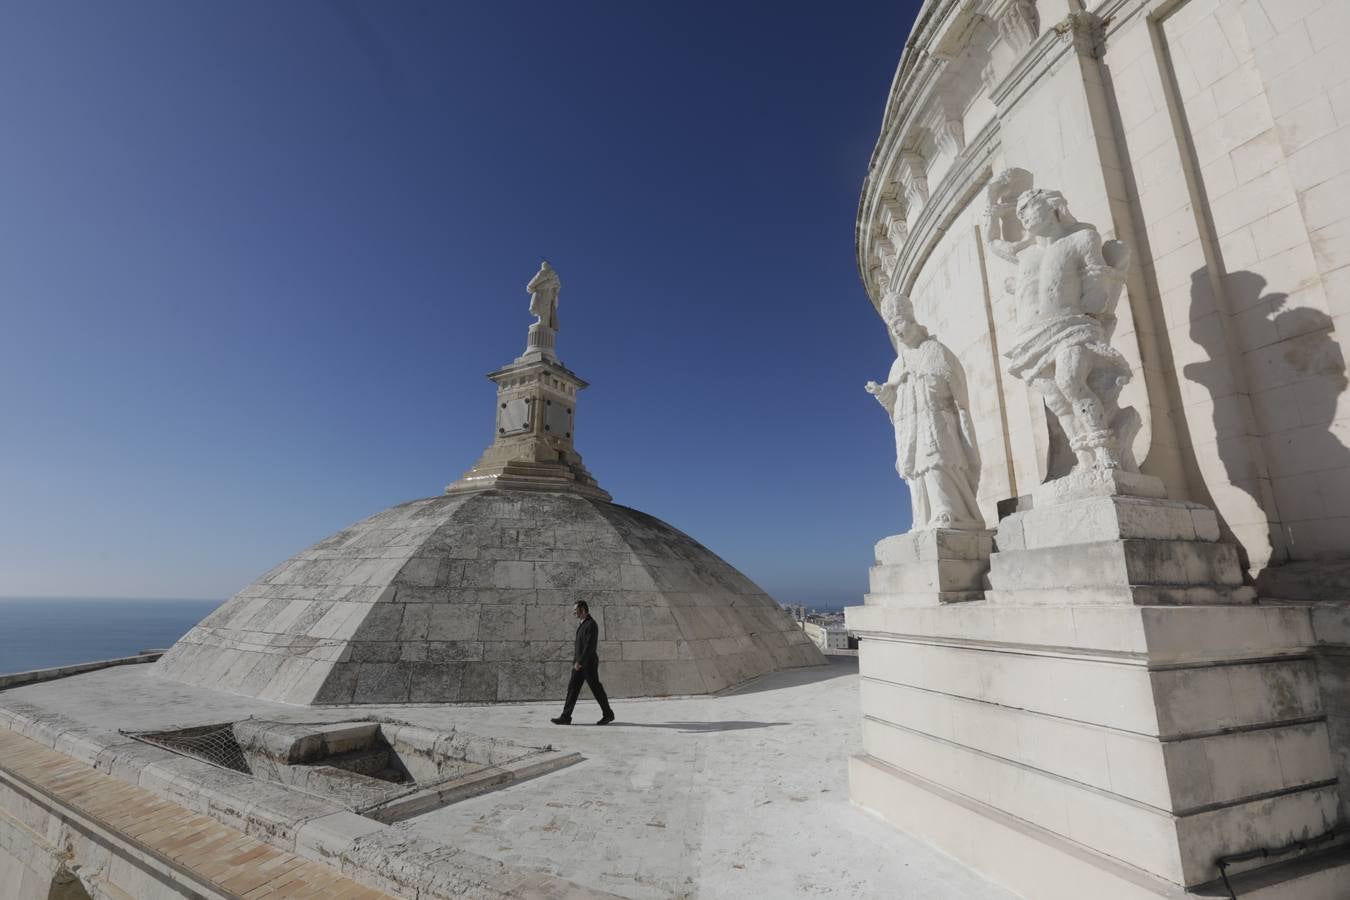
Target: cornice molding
[1041, 56]
[971, 171]
[908, 118]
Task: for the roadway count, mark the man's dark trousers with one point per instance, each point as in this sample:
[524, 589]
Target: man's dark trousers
[587, 656]
[588, 675]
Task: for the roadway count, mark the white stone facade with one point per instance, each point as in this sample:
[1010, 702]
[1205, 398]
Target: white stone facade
[1213, 138]
[1135, 675]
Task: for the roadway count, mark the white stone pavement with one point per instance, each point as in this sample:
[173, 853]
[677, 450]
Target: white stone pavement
[738, 795]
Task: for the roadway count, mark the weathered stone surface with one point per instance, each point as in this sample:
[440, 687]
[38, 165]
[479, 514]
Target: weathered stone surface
[933, 544]
[930, 567]
[474, 604]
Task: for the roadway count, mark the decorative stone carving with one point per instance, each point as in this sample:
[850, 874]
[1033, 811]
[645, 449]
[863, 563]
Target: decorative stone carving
[544, 288]
[897, 232]
[1019, 24]
[897, 229]
[1068, 284]
[990, 77]
[914, 178]
[944, 124]
[886, 258]
[925, 397]
[1086, 31]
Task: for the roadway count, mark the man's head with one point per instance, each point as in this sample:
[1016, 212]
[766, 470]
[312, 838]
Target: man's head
[1043, 212]
[898, 313]
[581, 610]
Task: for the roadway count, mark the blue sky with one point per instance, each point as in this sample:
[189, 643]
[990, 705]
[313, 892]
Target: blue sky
[255, 259]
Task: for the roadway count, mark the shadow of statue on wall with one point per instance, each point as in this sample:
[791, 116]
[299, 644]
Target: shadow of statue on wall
[1303, 362]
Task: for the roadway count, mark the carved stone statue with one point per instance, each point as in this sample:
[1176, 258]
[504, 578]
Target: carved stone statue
[935, 449]
[543, 288]
[542, 336]
[1068, 283]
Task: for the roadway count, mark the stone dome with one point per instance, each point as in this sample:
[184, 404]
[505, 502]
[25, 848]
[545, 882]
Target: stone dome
[467, 597]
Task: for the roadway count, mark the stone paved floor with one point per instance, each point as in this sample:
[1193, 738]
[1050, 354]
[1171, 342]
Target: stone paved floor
[739, 795]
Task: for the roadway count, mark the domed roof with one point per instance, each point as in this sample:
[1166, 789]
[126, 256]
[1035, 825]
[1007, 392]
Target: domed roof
[468, 597]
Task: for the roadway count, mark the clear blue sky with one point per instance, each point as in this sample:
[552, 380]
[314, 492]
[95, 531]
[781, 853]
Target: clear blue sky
[255, 259]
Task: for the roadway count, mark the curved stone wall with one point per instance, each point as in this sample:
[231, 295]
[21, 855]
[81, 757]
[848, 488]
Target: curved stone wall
[1212, 137]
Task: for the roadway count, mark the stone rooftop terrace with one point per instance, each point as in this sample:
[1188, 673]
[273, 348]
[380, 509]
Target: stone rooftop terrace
[741, 794]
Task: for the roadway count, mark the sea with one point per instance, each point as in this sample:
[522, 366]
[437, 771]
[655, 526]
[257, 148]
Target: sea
[41, 632]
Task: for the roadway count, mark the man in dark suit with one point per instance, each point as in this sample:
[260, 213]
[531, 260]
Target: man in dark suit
[585, 668]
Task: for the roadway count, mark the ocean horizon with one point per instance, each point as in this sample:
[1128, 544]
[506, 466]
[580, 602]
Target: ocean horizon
[42, 632]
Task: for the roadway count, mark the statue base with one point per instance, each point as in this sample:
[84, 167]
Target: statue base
[930, 567]
[1114, 717]
[518, 475]
[1114, 549]
[539, 345]
[533, 449]
[1095, 481]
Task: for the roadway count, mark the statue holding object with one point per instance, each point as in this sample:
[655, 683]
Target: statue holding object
[1068, 284]
[925, 397]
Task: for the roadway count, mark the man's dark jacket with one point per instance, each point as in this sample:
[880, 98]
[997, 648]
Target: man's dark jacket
[588, 635]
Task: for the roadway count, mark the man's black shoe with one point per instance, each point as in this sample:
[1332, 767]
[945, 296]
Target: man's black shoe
[561, 721]
[606, 719]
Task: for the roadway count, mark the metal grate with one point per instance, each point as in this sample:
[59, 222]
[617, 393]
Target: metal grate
[214, 744]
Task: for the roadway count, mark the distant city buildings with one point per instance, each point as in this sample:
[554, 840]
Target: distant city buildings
[827, 631]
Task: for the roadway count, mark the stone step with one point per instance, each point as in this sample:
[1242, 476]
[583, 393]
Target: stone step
[910, 599]
[933, 544]
[1175, 776]
[1106, 519]
[1109, 691]
[1115, 564]
[1180, 849]
[1167, 634]
[1036, 862]
[929, 575]
[1128, 595]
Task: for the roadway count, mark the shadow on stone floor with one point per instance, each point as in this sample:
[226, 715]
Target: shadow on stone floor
[835, 667]
[698, 727]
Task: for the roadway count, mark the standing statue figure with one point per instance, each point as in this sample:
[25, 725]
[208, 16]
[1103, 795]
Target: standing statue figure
[543, 333]
[1068, 283]
[925, 396]
[543, 288]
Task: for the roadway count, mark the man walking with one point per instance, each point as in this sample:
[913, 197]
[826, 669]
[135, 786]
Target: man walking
[585, 668]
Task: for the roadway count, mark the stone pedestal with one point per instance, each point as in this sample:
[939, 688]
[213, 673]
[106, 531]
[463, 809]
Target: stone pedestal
[533, 449]
[930, 567]
[1115, 550]
[1113, 717]
[539, 343]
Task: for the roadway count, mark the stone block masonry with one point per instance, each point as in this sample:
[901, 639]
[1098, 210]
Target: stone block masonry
[468, 597]
[1116, 689]
[116, 839]
[1149, 691]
